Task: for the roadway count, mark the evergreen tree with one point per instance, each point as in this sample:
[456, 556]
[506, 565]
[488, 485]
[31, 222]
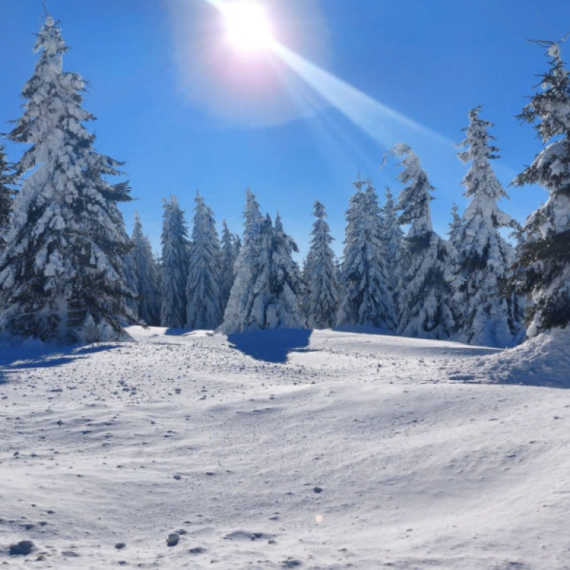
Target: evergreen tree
[174, 266]
[146, 275]
[321, 301]
[230, 251]
[365, 297]
[424, 290]
[62, 273]
[455, 226]
[203, 291]
[130, 272]
[267, 282]
[483, 257]
[543, 265]
[392, 237]
[7, 182]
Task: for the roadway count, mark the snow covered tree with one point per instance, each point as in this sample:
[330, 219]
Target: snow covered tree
[486, 316]
[424, 290]
[392, 237]
[321, 300]
[7, 181]
[543, 266]
[174, 266]
[146, 275]
[62, 272]
[267, 282]
[365, 297]
[230, 251]
[455, 225]
[203, 291]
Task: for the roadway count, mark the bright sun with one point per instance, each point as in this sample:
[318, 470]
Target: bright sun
[247, 26]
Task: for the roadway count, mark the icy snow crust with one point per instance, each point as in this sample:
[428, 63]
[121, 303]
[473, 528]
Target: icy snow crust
[422, 460]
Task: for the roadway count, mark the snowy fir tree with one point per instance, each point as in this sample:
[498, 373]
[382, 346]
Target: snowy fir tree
[62, 273]
[365, 297]
[7, 182]
[174, 266]
[130, 272]
[486, 316]
[146, 275]
[267, 283]
[543, 267]
[424, 291]
[203, 290]
[455, 226]
[392, 237]
[230, 251]
[320, 275]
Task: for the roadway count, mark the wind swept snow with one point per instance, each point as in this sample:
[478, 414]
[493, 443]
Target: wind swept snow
[323, 450]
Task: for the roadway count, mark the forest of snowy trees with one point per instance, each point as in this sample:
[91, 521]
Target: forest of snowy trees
[70, 273]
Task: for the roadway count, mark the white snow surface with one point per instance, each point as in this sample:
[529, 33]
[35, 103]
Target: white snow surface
[423, 459]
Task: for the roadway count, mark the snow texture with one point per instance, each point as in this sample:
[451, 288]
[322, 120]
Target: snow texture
[351, 451]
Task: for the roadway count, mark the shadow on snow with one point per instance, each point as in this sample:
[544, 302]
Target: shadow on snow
[271, 345]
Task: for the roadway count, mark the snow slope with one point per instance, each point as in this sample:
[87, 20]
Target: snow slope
[286, 449]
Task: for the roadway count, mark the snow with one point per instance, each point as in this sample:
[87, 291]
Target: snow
[428, 454]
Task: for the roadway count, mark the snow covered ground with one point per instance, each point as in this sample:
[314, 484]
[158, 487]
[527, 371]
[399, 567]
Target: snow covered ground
[286, 449]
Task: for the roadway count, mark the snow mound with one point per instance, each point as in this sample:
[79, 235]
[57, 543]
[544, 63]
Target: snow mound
[541, 361]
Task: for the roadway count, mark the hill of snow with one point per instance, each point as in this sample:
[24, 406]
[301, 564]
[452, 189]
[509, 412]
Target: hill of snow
[286, 449]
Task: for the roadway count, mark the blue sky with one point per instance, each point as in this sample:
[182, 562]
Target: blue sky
[187, 114]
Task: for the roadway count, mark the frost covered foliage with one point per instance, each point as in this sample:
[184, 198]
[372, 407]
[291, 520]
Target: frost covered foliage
[174, 266]
[7, 181]
[267, 285]
[320, 275]
[424, 291]
[392, 237]
[203, 290]
[486, 316]
[146, 275]
[543, 267]
[365, 297]
[455, 226]
[62, 275]
[230, 251]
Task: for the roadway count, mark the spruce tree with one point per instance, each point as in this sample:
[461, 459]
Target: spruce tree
[174, 266]
[230, 251]
[203, 291]
[267, 281]
[543, 266]
[486, 315]
[8, 179]
[62, 273]
[365, 297]
[146, 274]
[392, 237]
[321, 300]
[424, 289]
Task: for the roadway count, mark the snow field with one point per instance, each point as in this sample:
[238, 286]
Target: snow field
[348, 451]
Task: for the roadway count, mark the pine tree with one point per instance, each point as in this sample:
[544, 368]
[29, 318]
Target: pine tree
[267, 282]
[543, 266]
[321, 301]
[203, 291]
[62, 273]
[392, 237]
[174, 266]
[483, 257]
[230, 251]
[146, 274]
[365, 297]
[7, 182]
[455, 226]
[424, 290]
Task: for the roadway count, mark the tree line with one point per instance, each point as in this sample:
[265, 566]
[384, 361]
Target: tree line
[70, 273]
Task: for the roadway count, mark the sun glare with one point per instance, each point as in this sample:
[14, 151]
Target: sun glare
[247, 26]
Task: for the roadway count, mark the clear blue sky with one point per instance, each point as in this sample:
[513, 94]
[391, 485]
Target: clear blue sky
[186, 114]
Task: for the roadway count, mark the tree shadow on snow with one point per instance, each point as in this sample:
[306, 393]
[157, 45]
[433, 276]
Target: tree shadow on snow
[271, 345]
[22, 357]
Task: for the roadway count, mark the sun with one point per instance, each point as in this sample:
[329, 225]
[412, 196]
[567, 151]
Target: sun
[247, 26]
